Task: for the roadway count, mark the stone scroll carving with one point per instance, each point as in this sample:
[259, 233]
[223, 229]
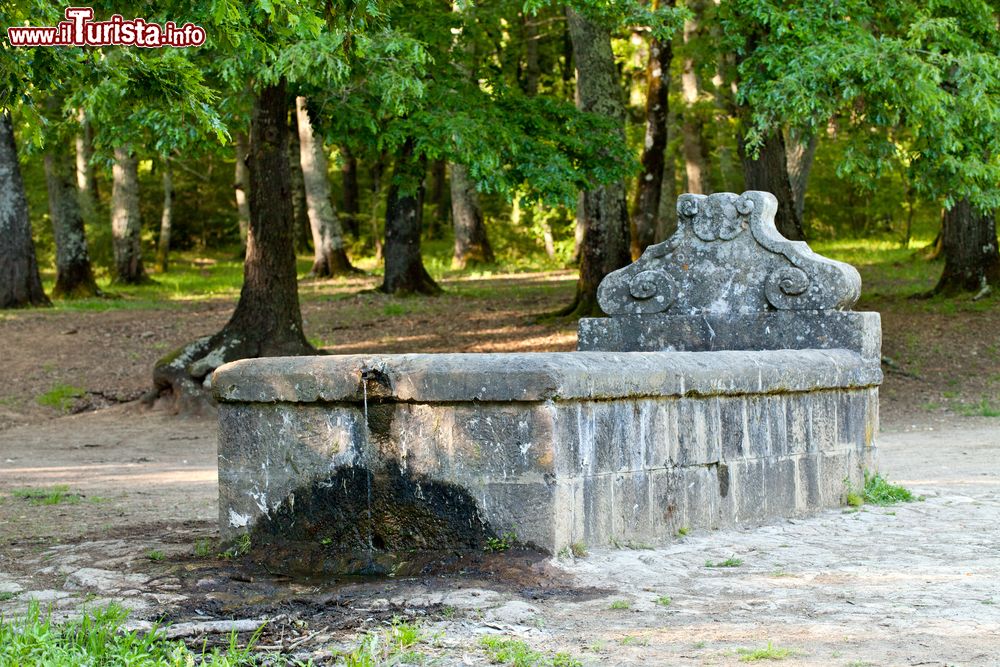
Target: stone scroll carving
[727, 257]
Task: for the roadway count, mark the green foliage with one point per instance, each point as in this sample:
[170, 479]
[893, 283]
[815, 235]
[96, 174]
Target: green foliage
[391, 646]
[769, 652]
[516, 653]
[57, 495]
[621, 604]
[878, 491]
[155, 555]
[98, 638]
[664, 600]
[500, 543]
[729, 562]
[61, 397]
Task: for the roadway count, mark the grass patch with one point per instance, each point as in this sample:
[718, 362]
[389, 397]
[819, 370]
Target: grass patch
[621, 604]
[983, 408]
[516, 653]
[61, 397]
[729, 562]
[8, 595]
[203, 548]
[769, 652]
[664, 600]
[388, 647]
[878, 491]
[99, 639]
[55, 496]
[155, 554]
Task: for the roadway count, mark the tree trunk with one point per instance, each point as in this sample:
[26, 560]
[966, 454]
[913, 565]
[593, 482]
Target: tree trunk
[647, 195]
[472, 246]
[969, 244]
[126, 226]
[167, 219]
[799, 154]
[667, 223]
[267, 320]
[769, 172]
[86, 179]
[328, 238]
[692, 138]
[532, 71]
[74, 274]
[603, 211]
[351, 207]
[438, 199]
[241, 185]
[20, 284]
[404, 266]
[300, 209]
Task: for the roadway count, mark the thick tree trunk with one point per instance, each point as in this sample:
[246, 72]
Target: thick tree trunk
[603, 211]
[647, 196]
[126, 226]
[969, 244]
[300, 209]
[166, 219]
[267, 320]
[74, 274]
[404, 266]
[20, 284]
[241, 185]
[86, 180]
[438, 196]
[692, 138]
[328, 238]
[472, 246]
[351, 206]
[799, 154]
[769, 172]
[532, 70]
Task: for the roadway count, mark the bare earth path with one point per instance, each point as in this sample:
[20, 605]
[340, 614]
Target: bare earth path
[913, 584]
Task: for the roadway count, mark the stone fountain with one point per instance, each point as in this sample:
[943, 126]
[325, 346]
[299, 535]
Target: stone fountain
[730, 385]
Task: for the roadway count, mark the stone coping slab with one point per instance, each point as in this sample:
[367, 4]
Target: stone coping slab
[538, 376]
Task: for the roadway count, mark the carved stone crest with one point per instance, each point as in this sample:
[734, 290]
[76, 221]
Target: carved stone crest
[727, 257]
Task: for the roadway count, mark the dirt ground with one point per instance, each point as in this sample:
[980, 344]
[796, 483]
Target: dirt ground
[913, 584]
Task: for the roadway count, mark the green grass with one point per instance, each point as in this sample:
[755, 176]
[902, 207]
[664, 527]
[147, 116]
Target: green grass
[878, 491]
[983, 408]
[155, 554]
[664, 600]
[55, 496]
[621, 604]
[388, 647]
[98, 638]
[729, 562]
[61, 397]
[203, 548]
[8, 595]
[769, 652]
[516, 653]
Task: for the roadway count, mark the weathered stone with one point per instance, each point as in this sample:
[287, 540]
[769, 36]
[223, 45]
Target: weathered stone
[729, 386]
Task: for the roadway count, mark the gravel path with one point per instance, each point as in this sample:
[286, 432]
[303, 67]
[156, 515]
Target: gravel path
[913, 584]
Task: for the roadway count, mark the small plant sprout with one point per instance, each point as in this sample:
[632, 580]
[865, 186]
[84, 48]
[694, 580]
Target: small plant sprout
[663, 600]
[155, 554]
[578, 549]
[203, 548]
[621, 604]
[729, 562]
[769, 652]
[682, 531]
[502, 543]
[878, 491]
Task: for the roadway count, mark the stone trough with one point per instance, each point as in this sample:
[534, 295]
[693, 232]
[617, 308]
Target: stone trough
[729, 385]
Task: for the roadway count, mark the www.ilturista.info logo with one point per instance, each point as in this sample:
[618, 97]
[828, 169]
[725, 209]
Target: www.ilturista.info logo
[80, 30]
